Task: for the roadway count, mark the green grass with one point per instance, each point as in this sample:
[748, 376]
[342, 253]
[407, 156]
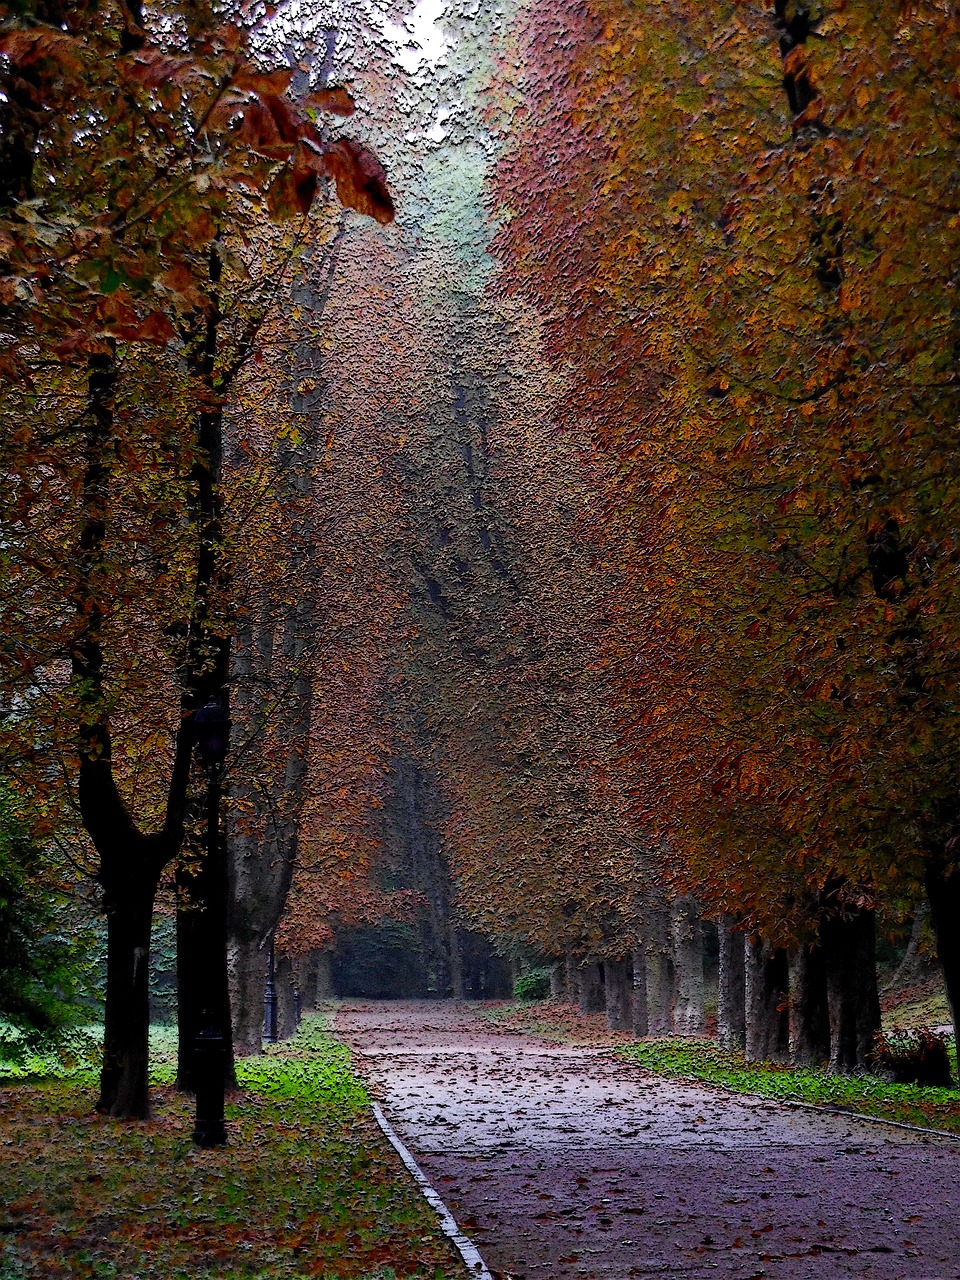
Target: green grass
[703, 1060]
[306, 1187]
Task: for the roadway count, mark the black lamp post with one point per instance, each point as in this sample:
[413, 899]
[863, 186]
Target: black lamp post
[270, 996]
[212, 735]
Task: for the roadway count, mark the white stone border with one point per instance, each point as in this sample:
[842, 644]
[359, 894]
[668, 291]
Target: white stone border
[466, 1248]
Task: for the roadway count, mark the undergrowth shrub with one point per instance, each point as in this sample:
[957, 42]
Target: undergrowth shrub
[532, 985]
[914, 1057]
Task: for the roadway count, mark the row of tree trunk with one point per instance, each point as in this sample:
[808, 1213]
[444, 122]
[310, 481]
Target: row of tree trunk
[818, 1005]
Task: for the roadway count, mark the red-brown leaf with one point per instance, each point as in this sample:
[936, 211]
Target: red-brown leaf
[336, 100]
[250, 79]
[283, 117]
[260, 131]
[360, 179]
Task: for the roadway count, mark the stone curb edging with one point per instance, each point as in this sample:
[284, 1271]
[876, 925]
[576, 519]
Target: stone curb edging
[464, 1246]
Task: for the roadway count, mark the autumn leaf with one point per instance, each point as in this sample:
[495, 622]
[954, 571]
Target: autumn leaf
[360, 179]
[336, 100]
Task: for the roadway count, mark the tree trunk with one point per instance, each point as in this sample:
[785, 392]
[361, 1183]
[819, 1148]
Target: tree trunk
[943, 894]
[618, 987]
[287, 1012]
[688, 1015]
[124, 1089]
[557, 981]
[325, 976]
[915, 966]
[247, 969]
[767, 994]
[660, 958]
[590, 983]
[640, 1023]
[458, 987]
[810, 1018]
[848, 939]
[189, 960]
[570, 977]
[731, 992]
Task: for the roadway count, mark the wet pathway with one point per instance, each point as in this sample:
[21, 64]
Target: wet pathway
[565, 1162]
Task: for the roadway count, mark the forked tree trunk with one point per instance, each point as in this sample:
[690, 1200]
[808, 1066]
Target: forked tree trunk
[688, 1004]
[590, 984]
[123, 1077]
[943, 893]
[767, 994]
[731, 993]
[810, 1018]
[640, 1024]
[848, 939]
[618, 988]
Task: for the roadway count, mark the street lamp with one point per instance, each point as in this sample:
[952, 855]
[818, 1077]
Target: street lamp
[212, 727]
[270, 996]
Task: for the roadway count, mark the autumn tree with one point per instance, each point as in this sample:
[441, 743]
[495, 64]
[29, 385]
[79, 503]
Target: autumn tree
[104, 258]
[752, 276]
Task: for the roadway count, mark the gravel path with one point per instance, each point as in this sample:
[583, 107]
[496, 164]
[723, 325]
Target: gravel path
[566, 1162]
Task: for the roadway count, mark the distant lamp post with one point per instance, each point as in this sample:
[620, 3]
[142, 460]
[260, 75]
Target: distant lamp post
[212, 727]
[270, 996]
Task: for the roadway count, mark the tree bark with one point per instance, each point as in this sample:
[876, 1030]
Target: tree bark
[640, 1023]
[943, 893]
[458, 987]
[848, 940]
[247, 970]
[123, 1078]
[590, 986]
[618, 988]
[287, 1019]
[731, 990]
[660, 958]
[809, 1012]
[915, 966]
[767, 994]
[688, 1015]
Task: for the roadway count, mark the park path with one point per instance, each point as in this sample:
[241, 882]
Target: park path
[562, 1161]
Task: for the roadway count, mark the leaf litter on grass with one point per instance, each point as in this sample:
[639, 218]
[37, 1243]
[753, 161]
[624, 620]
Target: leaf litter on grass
[305, 1188]
[704, 1061]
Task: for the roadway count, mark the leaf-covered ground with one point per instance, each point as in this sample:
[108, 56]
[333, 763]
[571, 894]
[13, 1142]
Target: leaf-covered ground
[306, 1187]
[571, 1162]
[703, 1060]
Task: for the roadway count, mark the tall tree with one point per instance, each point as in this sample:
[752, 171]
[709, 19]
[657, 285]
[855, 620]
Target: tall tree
[106, 256]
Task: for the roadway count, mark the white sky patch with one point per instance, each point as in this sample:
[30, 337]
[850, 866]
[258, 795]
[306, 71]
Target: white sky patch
[437, 132]
[418, 39]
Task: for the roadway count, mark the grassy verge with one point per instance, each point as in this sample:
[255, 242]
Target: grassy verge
[703, 1060]
[307, 1187]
